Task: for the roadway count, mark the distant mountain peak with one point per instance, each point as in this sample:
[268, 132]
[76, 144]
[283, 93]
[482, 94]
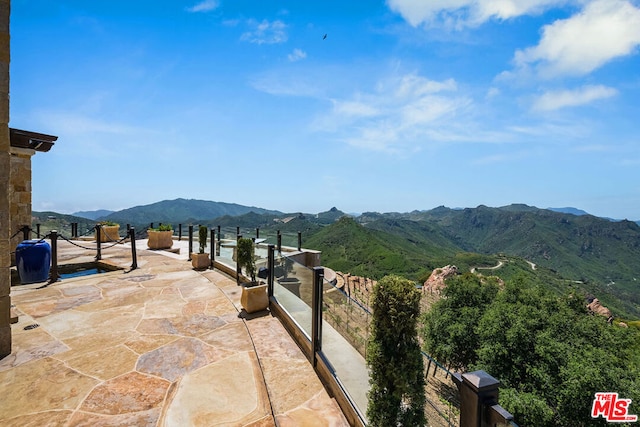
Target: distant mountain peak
[93, 215]
[569, 210]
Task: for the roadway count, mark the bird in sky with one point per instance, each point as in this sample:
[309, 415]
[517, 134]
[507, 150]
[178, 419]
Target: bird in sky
[325, 36]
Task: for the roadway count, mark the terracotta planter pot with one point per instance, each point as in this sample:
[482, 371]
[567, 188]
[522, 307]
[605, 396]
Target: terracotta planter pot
[254, 298]
[109, 233]
[160, 239]
[200, 261]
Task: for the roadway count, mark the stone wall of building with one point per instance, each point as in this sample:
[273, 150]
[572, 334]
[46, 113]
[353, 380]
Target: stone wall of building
[20, 194]
[5, 181]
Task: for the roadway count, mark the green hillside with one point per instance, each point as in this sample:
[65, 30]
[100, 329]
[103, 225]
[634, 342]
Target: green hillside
[603, 255]
[181, 211]
[349, 247]
[600, 256]
[60, 222]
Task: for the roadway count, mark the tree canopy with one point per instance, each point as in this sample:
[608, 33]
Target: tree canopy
[549, 353]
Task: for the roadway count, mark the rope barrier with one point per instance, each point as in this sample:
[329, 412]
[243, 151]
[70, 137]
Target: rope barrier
[18, 232]
[75, 244]
[118, 242]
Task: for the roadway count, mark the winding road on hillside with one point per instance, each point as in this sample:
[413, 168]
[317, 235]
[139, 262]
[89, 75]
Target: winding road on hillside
[495, 267]
[500, 264]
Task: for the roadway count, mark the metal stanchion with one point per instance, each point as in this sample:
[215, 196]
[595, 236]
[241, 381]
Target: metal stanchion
[53, 273]
[279, 241]
[316, 313]
[213, 247]
[98, 242]
[238, 269]
[271, 264]
[190, 241]
[134, 256]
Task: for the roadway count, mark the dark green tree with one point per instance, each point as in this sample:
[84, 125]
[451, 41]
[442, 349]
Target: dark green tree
[552, 357]
[396, 397]
[449, 327]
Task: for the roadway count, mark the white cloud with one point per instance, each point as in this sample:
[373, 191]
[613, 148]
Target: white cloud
[403, 113]
[354, 109]
[285, 84]
[555, 100]
[297, 55]
[603, 31]
[71, 123]
[460, 13]
[265, 32]
[204, 6]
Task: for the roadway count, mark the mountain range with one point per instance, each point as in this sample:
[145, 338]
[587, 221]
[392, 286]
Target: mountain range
[561, 247]
[177, 211]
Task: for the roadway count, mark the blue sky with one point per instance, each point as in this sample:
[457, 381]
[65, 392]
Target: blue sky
[406, 104]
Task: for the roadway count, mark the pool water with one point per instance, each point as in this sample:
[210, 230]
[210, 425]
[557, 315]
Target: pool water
[82, 272]
[69, 271]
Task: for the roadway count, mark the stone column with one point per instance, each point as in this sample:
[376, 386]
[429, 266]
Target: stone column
[5, 179]
[19, 195]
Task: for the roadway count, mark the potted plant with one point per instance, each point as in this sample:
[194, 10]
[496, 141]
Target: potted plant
[254, 295]
[109, 231]
[161, 237]
[200, 260]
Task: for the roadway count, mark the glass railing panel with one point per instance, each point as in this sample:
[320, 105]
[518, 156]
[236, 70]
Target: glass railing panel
[345, 332]
[293, 286]
[226, 252]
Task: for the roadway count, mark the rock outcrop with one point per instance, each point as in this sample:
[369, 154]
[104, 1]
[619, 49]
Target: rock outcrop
[435, 282]
[595, 307]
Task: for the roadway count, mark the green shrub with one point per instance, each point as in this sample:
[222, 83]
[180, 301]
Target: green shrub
[162, 227]
[397, 394]
[246, 257]
[203, 233]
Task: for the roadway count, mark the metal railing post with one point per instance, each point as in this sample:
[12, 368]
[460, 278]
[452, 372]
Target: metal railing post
[38, 231]
[98, 242]
[190, 241]
[53, 273]
[218, 245]
[179, 232]
[238, 269]
[279, 241]
[237, 230]
[316, 313]
[271, 265]
[213, 246]
[257, 232]
[134, 255]
[299, 240]
[25, 232]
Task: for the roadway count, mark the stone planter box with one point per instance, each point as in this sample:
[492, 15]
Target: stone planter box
[109, 233]
[200, 261]
[160, 239]
[254, 298]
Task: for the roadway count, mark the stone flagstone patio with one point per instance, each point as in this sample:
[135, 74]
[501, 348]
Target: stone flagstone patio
[161, 345]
